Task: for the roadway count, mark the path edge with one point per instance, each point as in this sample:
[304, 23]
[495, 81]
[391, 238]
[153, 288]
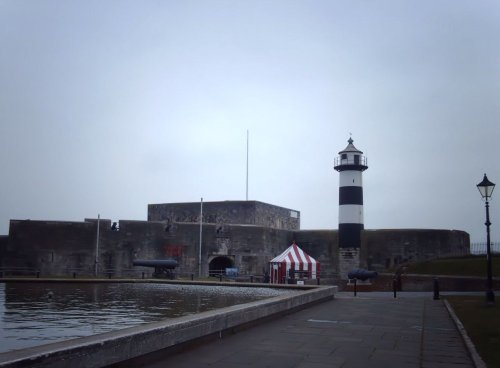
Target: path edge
[476, 358]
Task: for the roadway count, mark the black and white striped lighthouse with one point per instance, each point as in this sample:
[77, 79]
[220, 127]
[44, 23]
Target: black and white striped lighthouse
[350, 164]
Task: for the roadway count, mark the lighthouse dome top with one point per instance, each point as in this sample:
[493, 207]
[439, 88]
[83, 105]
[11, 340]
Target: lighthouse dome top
[350, 148]
[351, 158]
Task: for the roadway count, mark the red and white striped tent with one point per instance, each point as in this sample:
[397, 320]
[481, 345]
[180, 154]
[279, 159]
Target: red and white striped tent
[295, 259]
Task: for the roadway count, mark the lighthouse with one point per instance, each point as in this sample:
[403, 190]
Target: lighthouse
[350, 164]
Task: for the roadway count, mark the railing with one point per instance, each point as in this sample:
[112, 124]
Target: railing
[73, 272]
[19, 271]
[111, 273]
[362, 161]
[480, 247]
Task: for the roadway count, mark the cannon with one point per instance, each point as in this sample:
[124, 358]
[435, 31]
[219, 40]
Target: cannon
[163, 267]
[361, 274]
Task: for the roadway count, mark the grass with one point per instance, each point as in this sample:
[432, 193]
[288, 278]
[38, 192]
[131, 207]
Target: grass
[464, 266]
[482, 323]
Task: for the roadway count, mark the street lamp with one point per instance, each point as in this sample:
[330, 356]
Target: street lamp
[486, 189]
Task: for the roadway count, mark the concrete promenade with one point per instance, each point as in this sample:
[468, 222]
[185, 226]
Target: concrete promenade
[368, 331]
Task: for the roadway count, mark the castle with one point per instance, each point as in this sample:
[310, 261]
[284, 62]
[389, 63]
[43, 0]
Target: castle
[231, 234]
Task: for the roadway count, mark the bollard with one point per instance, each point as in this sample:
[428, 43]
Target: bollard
[74, 275]
[37, 274]
[394, 286]
[355, 287]
[220, 277]
[436, 289]
[143, 275]
[109, 275]
[251, 278]
[192, 277]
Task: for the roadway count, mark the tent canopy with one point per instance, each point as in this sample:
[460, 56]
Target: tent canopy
[293, 258]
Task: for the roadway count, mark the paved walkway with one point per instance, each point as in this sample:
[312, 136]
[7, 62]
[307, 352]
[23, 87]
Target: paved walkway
[367, 331]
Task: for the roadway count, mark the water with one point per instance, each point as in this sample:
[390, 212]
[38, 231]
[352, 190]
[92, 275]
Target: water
[40, 313]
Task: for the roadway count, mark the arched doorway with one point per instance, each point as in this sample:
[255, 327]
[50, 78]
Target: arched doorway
[218, 265]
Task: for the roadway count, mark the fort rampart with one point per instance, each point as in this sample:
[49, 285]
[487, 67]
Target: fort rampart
[227, 212]
[56, 248]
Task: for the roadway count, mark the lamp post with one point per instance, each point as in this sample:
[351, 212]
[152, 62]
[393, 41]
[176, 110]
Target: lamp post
[486, 189]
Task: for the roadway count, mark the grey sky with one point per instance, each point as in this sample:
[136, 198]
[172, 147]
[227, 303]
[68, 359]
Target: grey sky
[106, 106]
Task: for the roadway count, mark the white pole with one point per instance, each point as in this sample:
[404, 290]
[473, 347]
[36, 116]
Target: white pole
[247, 165]
[201, 227]
[97, 246]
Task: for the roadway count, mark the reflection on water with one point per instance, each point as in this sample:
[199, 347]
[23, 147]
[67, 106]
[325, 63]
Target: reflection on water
[39, 313]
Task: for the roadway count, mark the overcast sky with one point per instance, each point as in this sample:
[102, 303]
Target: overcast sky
[107, 106]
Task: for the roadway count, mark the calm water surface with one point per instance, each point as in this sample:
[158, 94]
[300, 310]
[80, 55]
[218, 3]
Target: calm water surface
[40, 313]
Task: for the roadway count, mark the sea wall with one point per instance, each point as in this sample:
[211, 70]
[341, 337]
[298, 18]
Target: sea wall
[123, 345]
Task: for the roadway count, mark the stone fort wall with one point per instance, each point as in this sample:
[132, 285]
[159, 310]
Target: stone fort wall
[227, 212]
[382, 249]
[240, 234]
[63, 248]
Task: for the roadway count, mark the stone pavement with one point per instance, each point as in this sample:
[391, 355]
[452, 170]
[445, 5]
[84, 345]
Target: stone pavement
[367, 331]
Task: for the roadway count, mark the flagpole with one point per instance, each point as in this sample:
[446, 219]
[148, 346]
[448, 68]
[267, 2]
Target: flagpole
[201, 227]
[247, 167]
[97, 247]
